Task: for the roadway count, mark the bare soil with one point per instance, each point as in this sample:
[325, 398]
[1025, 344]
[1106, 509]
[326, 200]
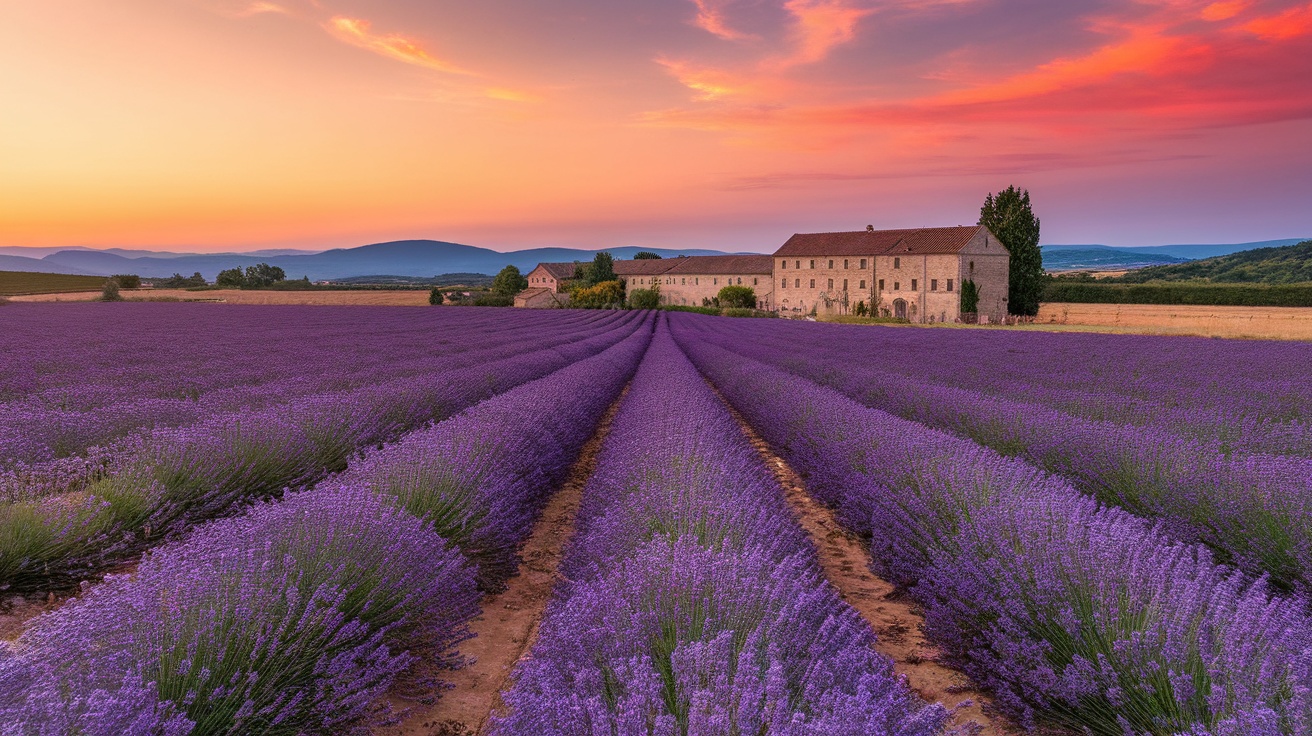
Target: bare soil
[358, 297]
[896, 620]
[509, 623]
[16, 611]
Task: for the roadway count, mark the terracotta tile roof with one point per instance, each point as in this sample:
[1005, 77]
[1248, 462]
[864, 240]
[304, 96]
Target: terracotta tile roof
[645, 267]
[560, 271]
[917, 241]
[761, 264]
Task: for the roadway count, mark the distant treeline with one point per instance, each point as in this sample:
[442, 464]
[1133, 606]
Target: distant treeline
[1203, 294]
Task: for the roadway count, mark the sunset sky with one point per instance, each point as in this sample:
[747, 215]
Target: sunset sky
[228, 125]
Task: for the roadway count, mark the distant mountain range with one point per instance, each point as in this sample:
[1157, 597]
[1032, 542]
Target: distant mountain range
[416, 258]
[428, 258]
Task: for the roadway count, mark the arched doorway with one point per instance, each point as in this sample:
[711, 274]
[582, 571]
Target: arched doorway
[900, 308]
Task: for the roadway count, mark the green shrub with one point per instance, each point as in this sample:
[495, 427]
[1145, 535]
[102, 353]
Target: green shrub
[494, 300]
[435, 296]
[607, 294]
[127, 281]
[713, 311]
[110, 294]
[741, 297]
[644, 299]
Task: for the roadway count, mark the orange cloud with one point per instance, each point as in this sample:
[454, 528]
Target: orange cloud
[818, 26]
[1146, 51]
[707, 83]
[1225, 10]
[710, 18]
[1292, 23]
[356, 32]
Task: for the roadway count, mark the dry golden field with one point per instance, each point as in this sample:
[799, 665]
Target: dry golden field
[1268, 323]
[413, 298]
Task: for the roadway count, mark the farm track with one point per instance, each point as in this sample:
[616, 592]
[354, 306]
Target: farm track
[894, 617]
[508, 626]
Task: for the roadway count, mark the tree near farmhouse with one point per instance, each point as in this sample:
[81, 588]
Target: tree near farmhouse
[646, 255]
[1008, 215]
[509, 281]
[602, 269]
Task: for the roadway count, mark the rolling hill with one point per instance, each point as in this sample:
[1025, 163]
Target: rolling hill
[419, 258]
[1289, 264]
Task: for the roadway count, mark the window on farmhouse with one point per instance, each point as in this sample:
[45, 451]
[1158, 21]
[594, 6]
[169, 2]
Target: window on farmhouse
[783, 284]
[831, 285]
[863, 263]
[812, 283]
[683, 281]
[949, 284]
[897, 286]
[933, 284]
[913, 285]
[844, 284]
[844, 263]
[812, 263]
[831, 263]
[797, 264]
[797, 283]
[897, 263]
[783, 265]
[881, 284]
[863, 284]
[753, 281]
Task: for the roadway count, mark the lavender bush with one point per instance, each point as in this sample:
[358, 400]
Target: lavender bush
[694, 602]
[292, 618]
[1073, 613]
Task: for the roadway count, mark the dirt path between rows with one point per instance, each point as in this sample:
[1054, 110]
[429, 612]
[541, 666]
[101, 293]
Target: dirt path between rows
[896, 620]
[509, 623]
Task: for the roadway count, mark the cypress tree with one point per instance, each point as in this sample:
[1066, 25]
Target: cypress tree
[1009, 216]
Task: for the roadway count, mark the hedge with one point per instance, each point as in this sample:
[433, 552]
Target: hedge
[1236, 295]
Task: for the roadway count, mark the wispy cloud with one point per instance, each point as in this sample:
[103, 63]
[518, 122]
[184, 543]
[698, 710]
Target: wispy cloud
[711, 18]
[707, 83]
[817, 27]
[263, 7]
[357, 32]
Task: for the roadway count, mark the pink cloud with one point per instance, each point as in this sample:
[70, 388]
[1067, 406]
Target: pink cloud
[710, 18]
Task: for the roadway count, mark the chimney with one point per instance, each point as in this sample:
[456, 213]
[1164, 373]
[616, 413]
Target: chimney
[870, 228]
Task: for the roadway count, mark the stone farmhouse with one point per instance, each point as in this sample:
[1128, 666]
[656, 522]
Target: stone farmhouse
[915, 274]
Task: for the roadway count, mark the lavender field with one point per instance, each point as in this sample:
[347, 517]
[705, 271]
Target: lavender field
[300, 520]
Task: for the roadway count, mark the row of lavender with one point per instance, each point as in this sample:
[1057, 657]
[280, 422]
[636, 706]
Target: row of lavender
[1126, 378]
[96, 400]
[469, 348]
[1072, 612]
[178, 477]
[1246, 397]
[1254, 509]
[302, 614]
[694, 603]
[189, 350]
